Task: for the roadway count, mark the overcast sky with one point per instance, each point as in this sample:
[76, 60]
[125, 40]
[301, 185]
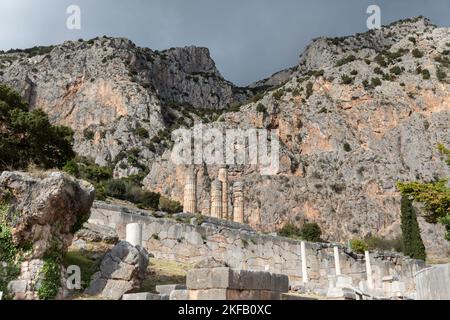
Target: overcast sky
[248, 39]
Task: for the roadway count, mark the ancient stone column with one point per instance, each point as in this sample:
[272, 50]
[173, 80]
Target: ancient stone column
[134, 234]
[216, 199]
[238, 202]
[304, 266]
[223, 177]
[369, 271]
[190, 192]
[336, 261]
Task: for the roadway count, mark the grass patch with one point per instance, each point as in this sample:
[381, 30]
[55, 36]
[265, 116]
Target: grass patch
[163, 272]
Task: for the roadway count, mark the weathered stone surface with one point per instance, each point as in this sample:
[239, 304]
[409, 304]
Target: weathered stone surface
[97, 233]
[121, 270]
[168, 288]
[232, 294]
[144, 296]
[434, 283]
[48, 207]
[43, 210]
[226, 278]
[17, 286]
[344, 146]
[179, 295]
[228, 246]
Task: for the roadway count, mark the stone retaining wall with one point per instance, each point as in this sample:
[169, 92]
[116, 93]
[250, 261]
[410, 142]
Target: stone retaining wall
[434, 283]
[179, 239]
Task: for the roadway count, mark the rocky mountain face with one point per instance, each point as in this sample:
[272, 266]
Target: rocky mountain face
[117, 96]
[355, 116]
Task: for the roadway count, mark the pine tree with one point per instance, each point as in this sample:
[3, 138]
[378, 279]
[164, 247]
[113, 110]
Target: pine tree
[412, 241]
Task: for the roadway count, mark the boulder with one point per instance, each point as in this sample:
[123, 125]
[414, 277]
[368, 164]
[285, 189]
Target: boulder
[45, 209]
[42, 211]
[122, 270]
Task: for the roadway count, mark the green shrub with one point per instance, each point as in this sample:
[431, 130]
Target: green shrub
[311, 232]
[441, 74]
[51, 280]
[378, 70]
[396, 70]
[380, 60]
[378, 243]
[296, 92]
[169, 206]
[426, 74]
[278, 94]
[141, 132]
[417, 53]
[347, 147]
[359, 246]
[290, 230]
[345, 60]
[345, 79]
[375, 82]
[309, 90]
[88, 134]
[28, 137]
[261, 108]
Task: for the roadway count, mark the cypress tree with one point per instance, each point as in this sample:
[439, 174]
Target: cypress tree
[412, 241]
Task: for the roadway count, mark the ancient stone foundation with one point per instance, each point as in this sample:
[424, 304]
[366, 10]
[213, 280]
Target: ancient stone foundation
[224, 283]
[242, 248]
[433, 283]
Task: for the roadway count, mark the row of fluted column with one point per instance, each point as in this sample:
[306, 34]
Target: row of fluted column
[219, 196]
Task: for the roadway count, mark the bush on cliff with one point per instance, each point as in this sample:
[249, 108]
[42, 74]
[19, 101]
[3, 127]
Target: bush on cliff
[412, 241]
[290, 230]
[311, 232]
[28, 137]
[359, 246]
[434, 196]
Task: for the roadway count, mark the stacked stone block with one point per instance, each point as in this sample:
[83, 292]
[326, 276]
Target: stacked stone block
[224, 283]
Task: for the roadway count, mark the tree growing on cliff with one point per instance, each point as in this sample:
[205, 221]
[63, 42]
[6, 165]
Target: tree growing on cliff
[412, 241]
[434, 196]
[28, 137]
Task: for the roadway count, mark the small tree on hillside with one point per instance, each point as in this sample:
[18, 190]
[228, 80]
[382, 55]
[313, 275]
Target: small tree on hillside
[412, 241]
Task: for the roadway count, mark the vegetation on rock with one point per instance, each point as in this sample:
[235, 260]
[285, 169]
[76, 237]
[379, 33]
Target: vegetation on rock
[412, 241]
[28, 137]
[435, 196]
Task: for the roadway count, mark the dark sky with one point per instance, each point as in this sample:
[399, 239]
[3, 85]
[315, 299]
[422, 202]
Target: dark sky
[248, 39]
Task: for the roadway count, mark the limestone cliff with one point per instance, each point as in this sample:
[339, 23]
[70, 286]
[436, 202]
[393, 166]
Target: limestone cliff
[356, 115]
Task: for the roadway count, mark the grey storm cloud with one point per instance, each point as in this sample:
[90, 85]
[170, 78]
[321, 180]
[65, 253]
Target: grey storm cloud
[248, 39]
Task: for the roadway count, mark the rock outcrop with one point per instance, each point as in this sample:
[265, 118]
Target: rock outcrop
[121, 270]
[358, 115]
[41, 213]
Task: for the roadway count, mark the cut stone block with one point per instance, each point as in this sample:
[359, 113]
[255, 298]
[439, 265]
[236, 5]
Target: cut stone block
[179, 295]
[344, 281]
[232, 294]
[286, 296]
[341, 294]
[226, 278]
[142, 296]
[167, 289]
